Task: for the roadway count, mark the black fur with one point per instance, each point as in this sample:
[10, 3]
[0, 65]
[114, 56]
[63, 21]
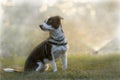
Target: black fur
[41, 52]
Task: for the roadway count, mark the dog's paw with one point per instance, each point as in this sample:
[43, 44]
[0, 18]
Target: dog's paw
[64, 67]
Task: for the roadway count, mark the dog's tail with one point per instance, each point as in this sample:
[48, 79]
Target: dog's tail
[11, 70]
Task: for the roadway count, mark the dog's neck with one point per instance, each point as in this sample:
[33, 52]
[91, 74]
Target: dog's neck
[57, 35]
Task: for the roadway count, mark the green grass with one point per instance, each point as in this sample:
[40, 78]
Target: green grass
[80, 67]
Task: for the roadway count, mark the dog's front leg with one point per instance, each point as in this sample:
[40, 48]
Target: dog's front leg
[54, 67]
[53, 63]
[64, 61]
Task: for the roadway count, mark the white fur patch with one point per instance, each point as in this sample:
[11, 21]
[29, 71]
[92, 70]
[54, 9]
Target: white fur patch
[47, 27]
[39, 66]
[58, 51]
[46, 61]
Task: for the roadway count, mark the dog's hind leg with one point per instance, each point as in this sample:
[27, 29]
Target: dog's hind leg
[40, 64]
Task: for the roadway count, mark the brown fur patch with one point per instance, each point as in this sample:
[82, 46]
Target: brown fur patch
[54, 21]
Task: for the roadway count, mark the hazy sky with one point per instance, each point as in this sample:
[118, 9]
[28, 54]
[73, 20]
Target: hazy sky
[93, 19]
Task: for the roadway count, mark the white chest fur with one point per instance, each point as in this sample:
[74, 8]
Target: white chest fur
[58, 51]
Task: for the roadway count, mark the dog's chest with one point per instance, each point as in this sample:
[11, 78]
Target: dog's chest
[58, 51]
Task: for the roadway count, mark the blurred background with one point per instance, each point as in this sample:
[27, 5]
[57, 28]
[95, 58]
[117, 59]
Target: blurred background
[91, 26]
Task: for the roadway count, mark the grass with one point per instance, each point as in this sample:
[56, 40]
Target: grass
[80, 67]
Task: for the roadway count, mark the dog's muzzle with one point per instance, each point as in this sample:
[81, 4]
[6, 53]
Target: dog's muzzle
[41, 26]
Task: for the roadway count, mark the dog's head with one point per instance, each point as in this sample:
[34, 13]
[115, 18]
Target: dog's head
[51, 23]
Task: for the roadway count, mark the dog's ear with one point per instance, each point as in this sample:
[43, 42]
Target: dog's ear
[56, 21]
[61, 17]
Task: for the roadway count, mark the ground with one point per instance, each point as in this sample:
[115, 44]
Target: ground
[80, 67]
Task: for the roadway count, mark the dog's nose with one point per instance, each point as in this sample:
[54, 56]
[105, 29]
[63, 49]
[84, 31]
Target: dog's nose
[40, 26]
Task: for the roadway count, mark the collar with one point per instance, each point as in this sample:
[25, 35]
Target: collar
[58, 44]
[57, 40]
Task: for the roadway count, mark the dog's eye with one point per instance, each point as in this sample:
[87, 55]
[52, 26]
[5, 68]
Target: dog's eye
[49, 22]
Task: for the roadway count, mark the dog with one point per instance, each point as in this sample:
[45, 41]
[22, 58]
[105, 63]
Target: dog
[49, 50]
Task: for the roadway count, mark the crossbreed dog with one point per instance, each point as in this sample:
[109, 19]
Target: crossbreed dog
[49, 50]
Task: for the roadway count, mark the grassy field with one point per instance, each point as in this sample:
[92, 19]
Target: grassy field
[80, 67]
